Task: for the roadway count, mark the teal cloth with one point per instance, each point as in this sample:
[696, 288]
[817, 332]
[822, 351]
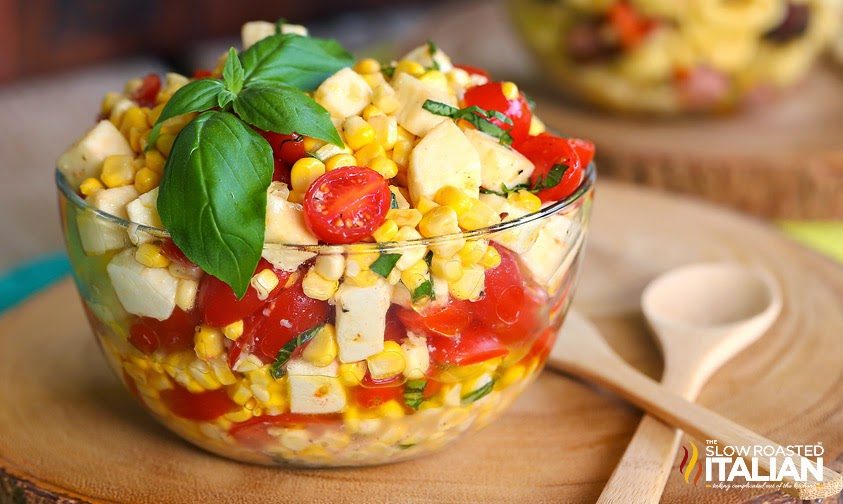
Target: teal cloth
[27, 279]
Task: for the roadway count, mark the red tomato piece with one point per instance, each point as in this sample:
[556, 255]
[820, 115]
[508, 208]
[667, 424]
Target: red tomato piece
[472, 346]
[449, 320]
[202, 73]
[630, 26]
[254, 431]
[490, 97]
[543, 344]
[346, 205]
[171, 335]
[473, 70]
[286, 148]
[395, 330]
[174, 254]
[375, 394]
[545, 151]
[147, 92]
[219, 306]
[201, 407]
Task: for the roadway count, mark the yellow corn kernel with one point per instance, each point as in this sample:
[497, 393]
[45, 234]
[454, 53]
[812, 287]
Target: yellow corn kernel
[391, 409]
[473, 252]
[304, 172]
[108, 102]
[357, 132]
[165, 143]
[208, 343]
[322, 349]
[404, 216]
[133, 117]
[340, 161]
[537, 127]
[317, 287]
[154, 161]
[491, 259]
[401, 152]
[238, 416]
[367, 66]
[387, 363]
[150, 255]
[234, 330]
[415, 275]
[240, 393]
[386, 232]
[371, 111]
[403, 134]
[153, 114]
[525, 200]
[146, 180]
[264, 282]
[311, 144]
[386, 130]
[222, 372]
[202, 374]
[366, 278]
[511, 376]
[439, 221]
[454, 198]
[368, 153]
[480, 215]
[470, 285]
[448, 268]
[138, 138]
[425, 205]
[436, 79]
[385, 99]
[362, 255]
[89, 186]
[374, 80]
[352, 373]
[186, 293]
[385, 166]
[509, 90]
[118, 170]
[295, 197]
[411, 67]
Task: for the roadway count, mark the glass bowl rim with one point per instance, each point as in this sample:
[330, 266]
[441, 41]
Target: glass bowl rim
[584, 188]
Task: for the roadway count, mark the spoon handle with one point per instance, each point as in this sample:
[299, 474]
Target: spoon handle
[699, 422]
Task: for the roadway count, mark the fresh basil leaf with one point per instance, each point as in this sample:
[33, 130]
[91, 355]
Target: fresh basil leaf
[439, 108]
[388, 70]
[212, 197]
[276, 369]
[384, 264]
[284, 109]
[505, 191]
[478, 117]
[232, 72]
[431, 50]
[196, 96]
[414, 393]
[279, 25]
[476, 394]
[225, 98]
[302, 62]
[425, 290]
[551, 178]
[428, 258]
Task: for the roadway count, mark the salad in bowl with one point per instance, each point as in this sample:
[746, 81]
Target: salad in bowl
[298, 258]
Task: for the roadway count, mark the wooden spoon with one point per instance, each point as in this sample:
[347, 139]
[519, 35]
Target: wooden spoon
[702, 315]
[580, 350]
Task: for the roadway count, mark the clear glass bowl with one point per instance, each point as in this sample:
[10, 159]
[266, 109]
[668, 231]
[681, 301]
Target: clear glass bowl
[675, 56]
[482, 354]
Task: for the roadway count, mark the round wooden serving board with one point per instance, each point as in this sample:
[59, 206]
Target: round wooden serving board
[69, 431]
[783, 160]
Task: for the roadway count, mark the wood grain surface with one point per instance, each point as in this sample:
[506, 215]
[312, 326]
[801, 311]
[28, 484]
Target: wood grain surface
[68, 430]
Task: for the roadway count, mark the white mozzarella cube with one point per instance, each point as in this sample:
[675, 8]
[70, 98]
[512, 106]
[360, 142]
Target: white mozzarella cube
[144, 210]
[344, 94]
[423, 56]
[519, 239]
[255, 31]
[411, 94]
[316, 395]
[148, 292]
[401, 296]
[285, 258]
[549, 257]
[444, 157]
[84, 158]
[285, 226]
[113, 201]
[499, 164]
[416, 356]
[300, 367]
[361, 319]
[97, 234]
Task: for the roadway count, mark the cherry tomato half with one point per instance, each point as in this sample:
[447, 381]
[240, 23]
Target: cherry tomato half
[449, 320]
[346, 205]
[171, 335]
[490, 97]
[546, 151]
[146, 94]
[374, 395]
[201, 407]
[219, 306]
[474, 345]
[286, 150]
[254, 432]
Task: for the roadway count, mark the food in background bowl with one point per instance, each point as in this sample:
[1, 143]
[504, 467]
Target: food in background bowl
[666, 56]
[299, 259]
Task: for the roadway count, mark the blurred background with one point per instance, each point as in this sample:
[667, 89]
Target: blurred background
[59, 57]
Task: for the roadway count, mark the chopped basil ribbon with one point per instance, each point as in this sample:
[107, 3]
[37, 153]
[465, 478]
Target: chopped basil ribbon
[414, 393]
[432, 50]
[277, 369]
[547, 181]
[479, 118]
[476, 394]
[384, 264]
[425, 290]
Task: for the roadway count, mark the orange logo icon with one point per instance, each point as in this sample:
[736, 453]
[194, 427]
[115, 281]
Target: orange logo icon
[689, 463]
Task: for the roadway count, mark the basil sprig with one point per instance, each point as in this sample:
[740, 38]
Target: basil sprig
[547, 181]
[277, 369]
[384, 264]
[212, 198]
[476, 394]
[414, 393]
[424, 290]
[479, 118]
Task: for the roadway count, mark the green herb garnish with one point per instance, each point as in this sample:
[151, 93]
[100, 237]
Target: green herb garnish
[432, 50]
[414, 393]
[212, 198]
[388, 70]
[425, 290]
[393, 202]
[476, 394]
[384, 264]
[277, 369]
[547, 181]
[479, 118]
